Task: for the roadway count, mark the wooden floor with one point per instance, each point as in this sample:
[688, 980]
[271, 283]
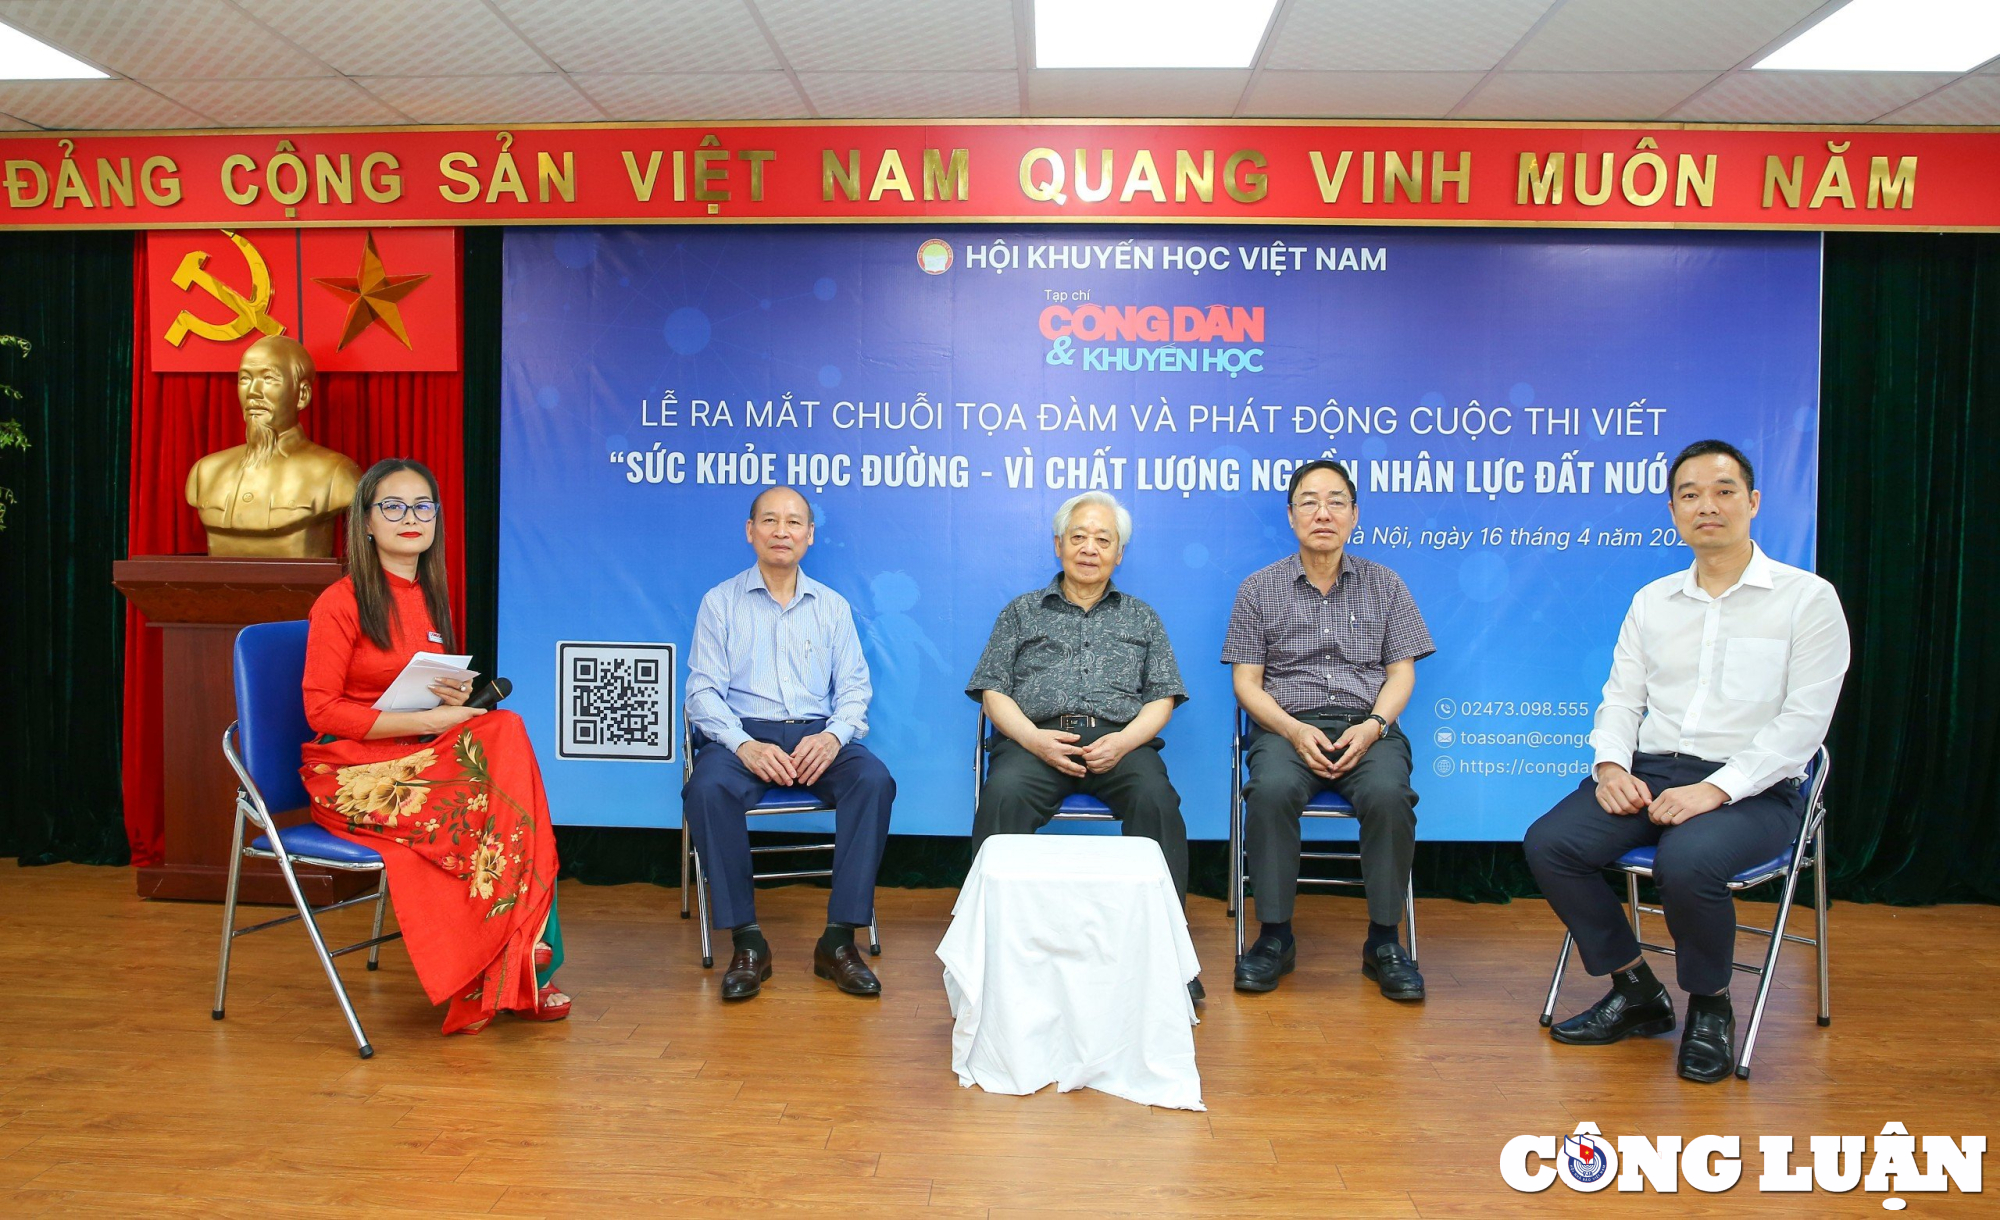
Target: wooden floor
[119, 1095]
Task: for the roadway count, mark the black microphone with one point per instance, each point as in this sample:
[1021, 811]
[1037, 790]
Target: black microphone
[490, 694]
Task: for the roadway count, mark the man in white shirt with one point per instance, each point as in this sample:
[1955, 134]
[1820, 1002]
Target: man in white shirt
[1724, 680]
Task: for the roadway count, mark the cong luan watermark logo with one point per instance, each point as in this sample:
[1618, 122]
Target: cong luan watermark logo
[1888, 1163]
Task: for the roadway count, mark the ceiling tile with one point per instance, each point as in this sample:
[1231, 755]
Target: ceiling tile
[913, 35]
[1652, 36]
[101, 105]
[320, 101]
[1973, 101]
[163, 38]
[1612, 96]
[397, 38]
[1358, 95]
[914, 95]
[1808, 97]
[694, 97]
[546, 98]
[663, 36]
[1135, 92]
[1371, 35]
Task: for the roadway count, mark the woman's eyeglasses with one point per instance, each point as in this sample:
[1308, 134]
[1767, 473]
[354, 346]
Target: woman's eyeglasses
[396, 510]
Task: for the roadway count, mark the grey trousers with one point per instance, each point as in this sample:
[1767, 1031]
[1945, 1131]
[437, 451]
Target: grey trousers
[1569, 846]
[1022, 794]
[1280, 784]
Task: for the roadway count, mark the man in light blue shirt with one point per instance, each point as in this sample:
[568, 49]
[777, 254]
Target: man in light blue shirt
[778, 697]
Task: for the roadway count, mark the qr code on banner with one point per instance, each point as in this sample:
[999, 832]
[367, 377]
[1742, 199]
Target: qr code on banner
[615, 701]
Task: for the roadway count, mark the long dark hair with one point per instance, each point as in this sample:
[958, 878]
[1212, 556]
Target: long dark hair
[371, 587]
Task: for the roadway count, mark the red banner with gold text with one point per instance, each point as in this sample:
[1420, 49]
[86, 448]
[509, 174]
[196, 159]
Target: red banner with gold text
[1278, 172]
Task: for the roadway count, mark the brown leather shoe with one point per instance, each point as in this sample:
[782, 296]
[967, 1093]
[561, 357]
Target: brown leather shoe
[746, 974]
[847, 968]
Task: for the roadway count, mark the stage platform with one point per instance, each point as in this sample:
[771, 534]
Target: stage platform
[120, 1096]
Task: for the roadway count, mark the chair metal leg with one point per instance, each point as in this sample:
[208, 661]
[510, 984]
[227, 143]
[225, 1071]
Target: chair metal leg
[701, 901]
[1632, 904]
[1410, 912]
[874, 938]
[319, 947]
[381, 903]
[1819, 924]
[1555, 984]
[1239, 892]
[1766, 976]
[229, 914]
[1237, 859]
[685, 852]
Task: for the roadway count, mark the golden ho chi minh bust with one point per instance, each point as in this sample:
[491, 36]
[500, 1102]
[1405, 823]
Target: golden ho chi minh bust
[276, 495]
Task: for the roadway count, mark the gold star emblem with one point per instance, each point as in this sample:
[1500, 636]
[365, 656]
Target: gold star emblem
[374, 293]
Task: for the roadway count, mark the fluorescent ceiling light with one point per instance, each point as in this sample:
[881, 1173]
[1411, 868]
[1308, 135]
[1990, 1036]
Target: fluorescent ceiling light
[1149, 33]
[1896, 36]
[25, 58]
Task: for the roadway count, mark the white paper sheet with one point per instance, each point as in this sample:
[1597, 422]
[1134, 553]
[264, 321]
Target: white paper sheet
[411, 691]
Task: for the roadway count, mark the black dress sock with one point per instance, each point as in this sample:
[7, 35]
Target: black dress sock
[1281, 931]
[1638, 983]
[749, 936]
[1380, 934]
[1717, 1004]
[836, 935]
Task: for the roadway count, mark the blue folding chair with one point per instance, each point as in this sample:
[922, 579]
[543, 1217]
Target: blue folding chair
[1326, 806]
[1808, 851]
[1086, 813]
[794, 810]
[262, 746]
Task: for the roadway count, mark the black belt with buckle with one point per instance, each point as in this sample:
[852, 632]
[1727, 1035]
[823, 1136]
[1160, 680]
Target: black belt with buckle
[1069, 722]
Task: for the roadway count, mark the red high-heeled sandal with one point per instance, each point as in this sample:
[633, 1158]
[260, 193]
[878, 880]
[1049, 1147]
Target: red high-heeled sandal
[543, 955]
[546, 1011]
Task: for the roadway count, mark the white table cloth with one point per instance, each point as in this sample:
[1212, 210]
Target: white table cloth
[1067, 963]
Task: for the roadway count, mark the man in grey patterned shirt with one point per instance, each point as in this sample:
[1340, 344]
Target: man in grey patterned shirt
[1323, 647]
[1079, 678]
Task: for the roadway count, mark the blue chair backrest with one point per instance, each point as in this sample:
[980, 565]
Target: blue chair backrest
[271, 709]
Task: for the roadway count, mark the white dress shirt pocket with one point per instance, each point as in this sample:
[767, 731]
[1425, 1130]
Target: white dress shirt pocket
[1753, 670]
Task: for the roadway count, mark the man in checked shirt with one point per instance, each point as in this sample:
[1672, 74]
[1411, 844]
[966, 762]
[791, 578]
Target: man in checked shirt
[1324, 648]
[1078, 678]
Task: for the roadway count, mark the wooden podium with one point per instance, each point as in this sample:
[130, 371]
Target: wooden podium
[200, 602]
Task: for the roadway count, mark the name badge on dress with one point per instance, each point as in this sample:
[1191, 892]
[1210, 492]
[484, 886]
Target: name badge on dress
[435, 638]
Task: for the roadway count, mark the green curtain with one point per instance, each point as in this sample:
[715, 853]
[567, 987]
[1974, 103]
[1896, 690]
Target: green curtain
[61, 622]
[481, 378]
[1910, 386]
[1911, 340]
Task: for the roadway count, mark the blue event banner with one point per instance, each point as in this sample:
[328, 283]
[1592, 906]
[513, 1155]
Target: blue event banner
[1507, 401]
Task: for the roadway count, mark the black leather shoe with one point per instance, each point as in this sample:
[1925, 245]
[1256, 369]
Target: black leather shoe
[1615, 1017]
[1708, 1046]
[1393, 972]
[1196, 991]
[746, 974]
[847, 968]
[1266, 963]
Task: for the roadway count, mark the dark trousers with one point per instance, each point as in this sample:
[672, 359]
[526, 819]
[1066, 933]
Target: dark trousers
[1385, 805]
[856, 784]
[1022, 794]
[1569, 846]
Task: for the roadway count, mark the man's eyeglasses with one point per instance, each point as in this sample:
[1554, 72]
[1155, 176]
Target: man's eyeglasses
[1311, 504]
[396, 510]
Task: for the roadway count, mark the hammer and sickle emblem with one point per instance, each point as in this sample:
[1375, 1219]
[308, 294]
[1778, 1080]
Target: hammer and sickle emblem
[250, 314]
